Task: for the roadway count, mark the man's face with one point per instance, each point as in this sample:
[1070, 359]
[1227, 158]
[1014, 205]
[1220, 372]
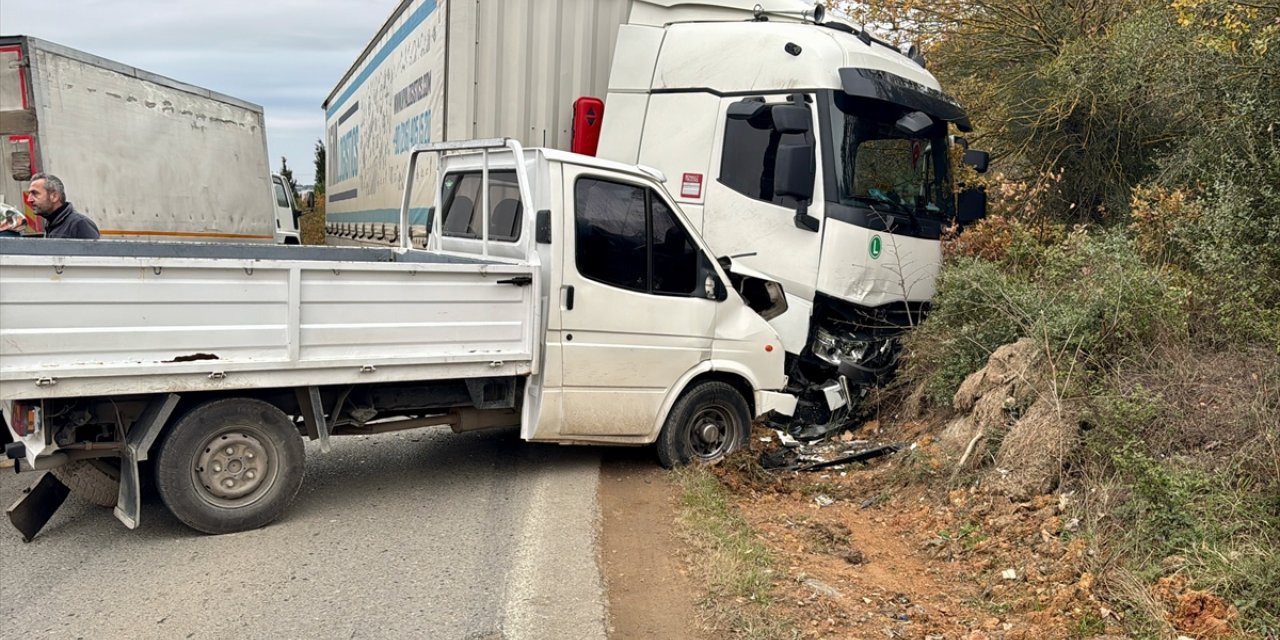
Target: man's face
[42, 200]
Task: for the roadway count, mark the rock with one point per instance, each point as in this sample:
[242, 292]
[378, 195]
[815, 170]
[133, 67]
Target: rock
[1204, 615]
[1034, 449]
[821, 588]
[1172, 564]
[1010, 363]
[1009, 574]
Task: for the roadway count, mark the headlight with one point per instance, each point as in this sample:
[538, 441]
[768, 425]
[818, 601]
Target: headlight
[834, 350]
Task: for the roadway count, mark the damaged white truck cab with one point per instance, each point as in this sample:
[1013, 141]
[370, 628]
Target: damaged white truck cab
[562, 294]
[814, 150]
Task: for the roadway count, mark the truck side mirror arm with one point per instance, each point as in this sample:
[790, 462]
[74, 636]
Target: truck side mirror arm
[805, 221]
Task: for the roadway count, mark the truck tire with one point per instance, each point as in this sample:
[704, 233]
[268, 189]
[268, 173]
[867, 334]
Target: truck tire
[97, 481]
[230, 465]
[707, 423]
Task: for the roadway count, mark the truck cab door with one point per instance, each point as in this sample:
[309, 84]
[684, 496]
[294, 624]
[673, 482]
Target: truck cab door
[286, 209]
[636, 312]
[751, 206]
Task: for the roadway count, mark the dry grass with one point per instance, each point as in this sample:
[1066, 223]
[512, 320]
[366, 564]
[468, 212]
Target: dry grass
[737, 567]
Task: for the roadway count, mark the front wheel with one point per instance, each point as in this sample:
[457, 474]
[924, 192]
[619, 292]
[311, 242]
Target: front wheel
[230, 465]
[707, 423]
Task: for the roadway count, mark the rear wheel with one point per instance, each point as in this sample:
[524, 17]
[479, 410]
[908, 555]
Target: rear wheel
[707, 423]
[230, 465]
[95, 480]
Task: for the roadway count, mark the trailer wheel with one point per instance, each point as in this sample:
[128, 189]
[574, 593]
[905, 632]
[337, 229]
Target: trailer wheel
[95, 480]
[707, 423]
[230, 465]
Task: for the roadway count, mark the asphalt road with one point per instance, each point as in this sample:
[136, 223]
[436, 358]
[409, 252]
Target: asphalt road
[420, 534]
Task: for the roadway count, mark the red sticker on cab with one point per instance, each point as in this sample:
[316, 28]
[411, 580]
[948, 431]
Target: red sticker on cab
[691, 185]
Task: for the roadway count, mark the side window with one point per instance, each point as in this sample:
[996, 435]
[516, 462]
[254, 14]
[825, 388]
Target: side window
[675, 256]
[462, 202]
[750, 156]
[282, 197]
[626, 236]
[610, 233]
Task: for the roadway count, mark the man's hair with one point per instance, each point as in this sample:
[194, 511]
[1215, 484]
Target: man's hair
[53, 184]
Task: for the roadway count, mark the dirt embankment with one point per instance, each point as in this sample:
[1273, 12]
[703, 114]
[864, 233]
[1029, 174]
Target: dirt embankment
[964, 534]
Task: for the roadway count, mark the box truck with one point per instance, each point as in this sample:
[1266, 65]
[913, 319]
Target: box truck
[814, 152]
[146, 157]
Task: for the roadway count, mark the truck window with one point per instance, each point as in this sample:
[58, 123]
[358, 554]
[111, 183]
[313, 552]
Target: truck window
[461, 217]
[750, 156]
[675, 257]
[282, 196]
[628, 237]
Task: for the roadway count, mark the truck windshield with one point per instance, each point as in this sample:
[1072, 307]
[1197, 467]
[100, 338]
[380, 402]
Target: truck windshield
[879, 166]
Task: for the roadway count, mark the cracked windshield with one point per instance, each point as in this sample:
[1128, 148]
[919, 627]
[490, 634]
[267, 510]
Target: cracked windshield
[879, 164]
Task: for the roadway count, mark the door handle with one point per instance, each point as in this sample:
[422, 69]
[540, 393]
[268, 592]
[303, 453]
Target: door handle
[568, 298]
[518, 281]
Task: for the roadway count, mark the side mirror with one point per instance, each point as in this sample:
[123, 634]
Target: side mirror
[712, 287]
[794, 171]
[793, 177]
[790, 118]
[977, 159]
[971, 205]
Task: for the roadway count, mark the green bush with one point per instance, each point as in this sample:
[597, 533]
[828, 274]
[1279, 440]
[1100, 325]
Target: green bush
[1090, 298]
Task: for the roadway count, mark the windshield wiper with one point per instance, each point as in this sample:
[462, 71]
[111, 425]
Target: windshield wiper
[871, 202]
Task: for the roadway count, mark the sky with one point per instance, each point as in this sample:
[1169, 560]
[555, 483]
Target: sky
[285, 55]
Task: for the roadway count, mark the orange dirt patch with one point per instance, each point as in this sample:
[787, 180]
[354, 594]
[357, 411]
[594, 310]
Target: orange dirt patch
[884, 559]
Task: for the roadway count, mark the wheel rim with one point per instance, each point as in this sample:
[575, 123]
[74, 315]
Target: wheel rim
[234, 468]
[711, 433]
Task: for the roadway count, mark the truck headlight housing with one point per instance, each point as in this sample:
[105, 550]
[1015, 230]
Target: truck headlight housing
[834, 349]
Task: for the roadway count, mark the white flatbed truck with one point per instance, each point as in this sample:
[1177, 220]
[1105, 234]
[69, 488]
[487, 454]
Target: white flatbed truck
[584, 310]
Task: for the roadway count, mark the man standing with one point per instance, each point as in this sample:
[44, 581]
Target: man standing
[61, 220]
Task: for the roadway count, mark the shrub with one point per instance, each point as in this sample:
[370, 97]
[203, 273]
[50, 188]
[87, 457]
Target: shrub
[1089, 297]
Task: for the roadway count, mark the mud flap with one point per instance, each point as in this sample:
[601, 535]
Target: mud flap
[37, 505]
[137, 446]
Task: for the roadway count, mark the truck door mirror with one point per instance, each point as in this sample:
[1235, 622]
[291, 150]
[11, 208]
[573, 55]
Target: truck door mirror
[793, 177]
[971, 205]
[979, 160]
[712, 287]
[794, 173]
[790, 118]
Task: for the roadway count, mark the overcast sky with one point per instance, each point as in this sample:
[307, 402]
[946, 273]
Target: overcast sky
[285, 55]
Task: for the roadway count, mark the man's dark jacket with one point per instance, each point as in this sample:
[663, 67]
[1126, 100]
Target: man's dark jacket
[66, 222]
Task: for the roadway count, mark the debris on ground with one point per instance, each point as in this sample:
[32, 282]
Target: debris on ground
[823, 454]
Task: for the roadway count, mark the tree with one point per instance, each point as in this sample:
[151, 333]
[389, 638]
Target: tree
[320, 165]
[287, 174]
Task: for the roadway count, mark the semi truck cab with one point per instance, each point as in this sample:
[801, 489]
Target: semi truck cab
[817, 153]
[286, 212]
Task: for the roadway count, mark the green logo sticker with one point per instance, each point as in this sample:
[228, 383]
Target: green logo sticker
[875, 247]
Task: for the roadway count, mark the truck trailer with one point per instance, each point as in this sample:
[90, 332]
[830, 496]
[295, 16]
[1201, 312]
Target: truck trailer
[812, 150]
[145, 156]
